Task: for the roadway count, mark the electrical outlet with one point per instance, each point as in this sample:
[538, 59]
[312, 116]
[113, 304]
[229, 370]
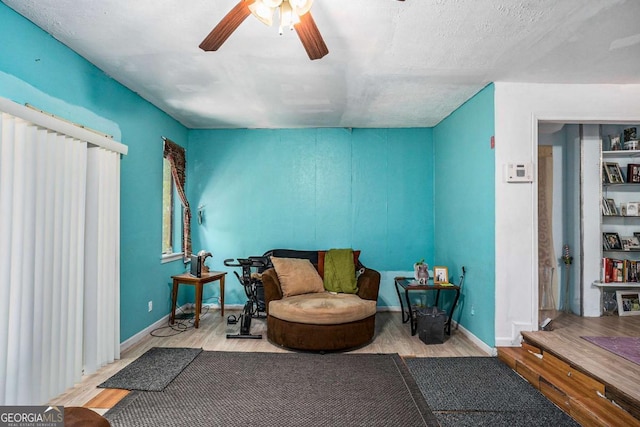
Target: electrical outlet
[473, 311]
[150, 305]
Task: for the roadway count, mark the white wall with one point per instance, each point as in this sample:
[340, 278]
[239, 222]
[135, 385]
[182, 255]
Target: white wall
[518, 108]
[572, 204]
[591, 211]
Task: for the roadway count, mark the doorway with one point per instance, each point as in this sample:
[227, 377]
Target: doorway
[559, 196]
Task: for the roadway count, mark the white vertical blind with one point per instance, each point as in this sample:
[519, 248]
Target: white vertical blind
[102, 262]
[59, 257]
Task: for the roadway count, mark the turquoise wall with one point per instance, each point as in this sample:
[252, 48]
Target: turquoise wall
[37, 69]
[369, 189]
[465, 209]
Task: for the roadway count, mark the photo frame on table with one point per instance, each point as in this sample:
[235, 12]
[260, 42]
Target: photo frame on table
[440, 275]
[628, 302]
[614, 175]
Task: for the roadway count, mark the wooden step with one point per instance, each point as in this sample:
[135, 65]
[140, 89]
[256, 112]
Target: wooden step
[554, 394]
[509, 355]
[600, 411]
[534, 366]
[107, 398]
[577, 394]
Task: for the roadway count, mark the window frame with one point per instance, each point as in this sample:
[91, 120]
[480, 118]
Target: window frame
[176, 235]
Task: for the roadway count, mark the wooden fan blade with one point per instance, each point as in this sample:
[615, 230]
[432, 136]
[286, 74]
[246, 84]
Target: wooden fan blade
[227, 26]
[310, 37]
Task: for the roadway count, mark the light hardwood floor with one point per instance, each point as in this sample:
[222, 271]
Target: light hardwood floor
[392, 336]
[564, 341]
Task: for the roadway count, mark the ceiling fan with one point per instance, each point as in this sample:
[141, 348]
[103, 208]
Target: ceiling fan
[293, 13]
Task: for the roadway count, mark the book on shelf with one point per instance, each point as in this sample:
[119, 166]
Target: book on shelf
[618, 270]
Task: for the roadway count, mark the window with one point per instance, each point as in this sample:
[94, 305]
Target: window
[171, 216]
[175, 200]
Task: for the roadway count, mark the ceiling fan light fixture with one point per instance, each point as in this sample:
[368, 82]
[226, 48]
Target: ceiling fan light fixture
[301, 6]
[262, 12]
[287, 17]
[271, 3]
[290, 11]
[293, 13]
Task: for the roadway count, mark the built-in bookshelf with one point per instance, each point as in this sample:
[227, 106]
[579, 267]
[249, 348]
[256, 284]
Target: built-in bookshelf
[620, 218]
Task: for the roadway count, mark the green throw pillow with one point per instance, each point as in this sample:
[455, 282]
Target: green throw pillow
[340, 272]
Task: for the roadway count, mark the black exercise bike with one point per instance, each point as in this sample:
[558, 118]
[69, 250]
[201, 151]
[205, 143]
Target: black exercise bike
[255, 306]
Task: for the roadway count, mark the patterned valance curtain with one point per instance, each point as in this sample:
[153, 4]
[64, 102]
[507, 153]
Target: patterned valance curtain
[176, 156]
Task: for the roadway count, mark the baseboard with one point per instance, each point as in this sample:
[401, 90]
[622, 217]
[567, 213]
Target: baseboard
[515, 339]
[506, 342]
[130, 342]
[226, 306]
[477, 341]
[127, 344]
[491, 351]
[388, 309]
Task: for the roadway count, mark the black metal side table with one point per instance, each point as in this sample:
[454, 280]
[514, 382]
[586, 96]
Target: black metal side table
[409, 284]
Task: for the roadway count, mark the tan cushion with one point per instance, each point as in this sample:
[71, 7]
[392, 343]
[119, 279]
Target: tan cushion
[297, 276]
[322, 308]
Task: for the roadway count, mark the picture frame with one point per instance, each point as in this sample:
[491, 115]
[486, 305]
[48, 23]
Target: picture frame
[613, 209]
[605, 175]
[633, 208]
[614, 175]
[605, 207]
[440, 275]
[611, 241]
[633, 173]
[630, 243]
[630, 134]
[628, 302]
[614, 143]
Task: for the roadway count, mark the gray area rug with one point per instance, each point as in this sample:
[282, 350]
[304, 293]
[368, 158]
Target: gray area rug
[482, 391]
[154, 370]
[281, 389]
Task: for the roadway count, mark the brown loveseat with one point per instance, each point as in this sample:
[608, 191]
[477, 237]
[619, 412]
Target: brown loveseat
[320, 321]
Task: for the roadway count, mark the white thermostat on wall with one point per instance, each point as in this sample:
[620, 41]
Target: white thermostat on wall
[519, 172]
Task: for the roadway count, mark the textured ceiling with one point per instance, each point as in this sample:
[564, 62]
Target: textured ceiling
[390, 63]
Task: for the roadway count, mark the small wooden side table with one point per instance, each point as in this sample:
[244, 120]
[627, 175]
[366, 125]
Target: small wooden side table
[198, 282]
